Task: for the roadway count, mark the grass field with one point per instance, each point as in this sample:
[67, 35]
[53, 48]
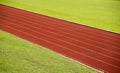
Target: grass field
[102, 14]
[20, 56]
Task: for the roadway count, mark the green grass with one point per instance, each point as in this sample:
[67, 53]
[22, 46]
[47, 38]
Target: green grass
[20, 56]
[102, 14]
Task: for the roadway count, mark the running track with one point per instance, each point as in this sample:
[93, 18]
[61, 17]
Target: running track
[94, 47]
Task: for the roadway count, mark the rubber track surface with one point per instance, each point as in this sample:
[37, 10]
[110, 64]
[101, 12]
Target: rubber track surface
[94, 47]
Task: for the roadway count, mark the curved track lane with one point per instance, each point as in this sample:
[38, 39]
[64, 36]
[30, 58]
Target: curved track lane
[94, 47]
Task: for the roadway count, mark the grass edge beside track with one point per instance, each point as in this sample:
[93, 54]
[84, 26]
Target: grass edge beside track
[20, 56]
[85, 21]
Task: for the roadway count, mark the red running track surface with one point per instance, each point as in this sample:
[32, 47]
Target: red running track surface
[94, 47]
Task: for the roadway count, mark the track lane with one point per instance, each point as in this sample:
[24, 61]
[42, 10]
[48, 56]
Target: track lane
[89, 40]
[102, 37]
[70, 41]
[79, 49]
